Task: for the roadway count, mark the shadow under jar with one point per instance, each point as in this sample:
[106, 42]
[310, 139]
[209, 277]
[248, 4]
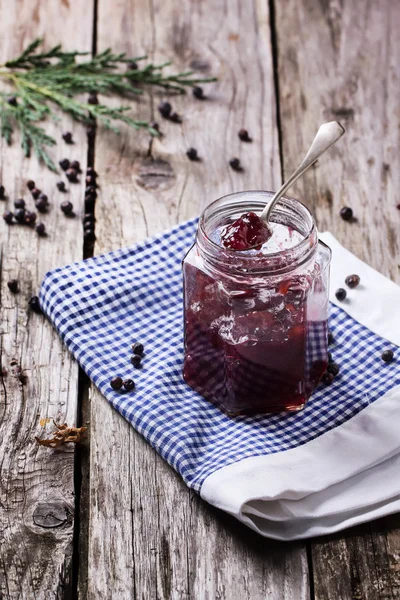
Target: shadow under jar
[255, 320]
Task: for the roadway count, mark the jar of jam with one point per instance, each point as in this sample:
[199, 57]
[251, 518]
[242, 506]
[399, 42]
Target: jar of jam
[255, 319]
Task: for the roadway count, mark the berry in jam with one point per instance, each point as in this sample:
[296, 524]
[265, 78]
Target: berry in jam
[248, 231]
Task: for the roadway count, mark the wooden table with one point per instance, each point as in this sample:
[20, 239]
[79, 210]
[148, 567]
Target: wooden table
[110, 519]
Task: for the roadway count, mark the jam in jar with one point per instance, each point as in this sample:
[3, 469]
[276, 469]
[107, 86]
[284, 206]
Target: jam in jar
[255, 319]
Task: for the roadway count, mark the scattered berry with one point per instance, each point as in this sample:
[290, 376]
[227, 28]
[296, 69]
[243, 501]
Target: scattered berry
[20, 215]
[352, 281]
[64, 164]
[30, 184]
[12, 101]
[129, 385]
[8, 217]
[93, 99]
[20, 203]
[165, 109]
[116, 383]
[67, 137]
[333, 368]
[91, 171]
[29, 217]
[35, 193]
[138, 348]
[341, 294]
[34, 304]
[327, 378]
[234, 163]
[76, 165]
[133, 66]
[175, 118]
[155, 125]
[136, 360]
[41, 205]
[346, 213]
[198, 93]
[40, 229]
[61, 186]
[72, 175]
[89, 235]
[2, 192]
[44, 198]
[67, 207]
[89, 218]
[192, 154]
[244, 135]
[387, 356]
[13, 286]
[91, 180]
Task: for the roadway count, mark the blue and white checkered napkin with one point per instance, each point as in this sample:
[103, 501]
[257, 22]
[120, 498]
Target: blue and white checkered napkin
[102, 305]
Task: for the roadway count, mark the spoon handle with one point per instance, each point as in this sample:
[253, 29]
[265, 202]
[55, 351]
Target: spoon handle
[327, 134]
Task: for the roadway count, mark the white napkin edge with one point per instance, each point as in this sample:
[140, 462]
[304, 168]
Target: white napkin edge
[345, 476]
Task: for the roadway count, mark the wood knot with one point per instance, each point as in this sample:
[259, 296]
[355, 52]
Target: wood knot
[154, 174]
[52, 514]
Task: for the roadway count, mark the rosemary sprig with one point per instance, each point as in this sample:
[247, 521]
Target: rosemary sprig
[40, 79]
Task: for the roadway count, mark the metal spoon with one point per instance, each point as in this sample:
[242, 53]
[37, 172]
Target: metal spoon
[327, 134]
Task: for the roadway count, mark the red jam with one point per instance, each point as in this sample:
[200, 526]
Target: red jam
[255, 344]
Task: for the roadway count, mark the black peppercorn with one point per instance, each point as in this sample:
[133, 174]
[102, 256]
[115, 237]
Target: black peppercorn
[165, 109]
[35, 193]
[327, 378]
[175, 118]
[72, 175]
[387, 356]
[67, 207]
[8, 217]
[234, 163]
[61, 186]
[13, 286]
[20, 203]
[93, 99]
[2, 192]
[198, 92]
[89, 235]
[34, 304]
[40, 229]
[352, 281]
[244, 135]
[116, 383]
[346, 213]
[30, 217]
[30, 184]
[76, 165]
[41, 205]
[67, 137]
[333, 368]
[20, 215]
[12, 101]
[138, 348]
[129, 385]
[341, 294]
[192, 154]
[136, 360]
[64, 164]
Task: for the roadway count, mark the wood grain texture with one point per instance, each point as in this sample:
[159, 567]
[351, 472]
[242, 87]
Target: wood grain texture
[36, 484]
[339, 60]
[149, 536]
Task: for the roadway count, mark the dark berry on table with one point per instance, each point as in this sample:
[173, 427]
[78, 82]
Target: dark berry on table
[327, 378]
[35, 193]
[387, 356]
[72, 175]
[44, 198]
[67, 207]
[2, 192]
[8, 217]
[13, 286]
[91, 180]
[64, 164]
[352, 281]
[91, 171]
[20, 203]
[165, 109]
[175, 118]
[192, 154]
[76, 165]
[330, 358]
[198, 92]
[40, 229]
[331, 339]
[89, 235]
[89, 218]
[61, 186]
[234, 163]
[138, 348]
[155, 125]
[91, 191]
[136, 360]
[244, 135]
[34, 304]
[341, 294]
[19, 215]
[333, 368]
[30, 217]
[30, 184]
[133, 66]
[346, 213]
[129, 385]
[67, 137]
[116, 383]
[93, 99]
[12, 101]
[41, 205]
[88, 226]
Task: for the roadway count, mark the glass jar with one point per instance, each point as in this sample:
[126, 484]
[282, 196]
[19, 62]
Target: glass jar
[256, 324]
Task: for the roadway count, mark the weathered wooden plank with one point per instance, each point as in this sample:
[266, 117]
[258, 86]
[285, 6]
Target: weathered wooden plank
[342, 63]
[149, 536]
[36, 484]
